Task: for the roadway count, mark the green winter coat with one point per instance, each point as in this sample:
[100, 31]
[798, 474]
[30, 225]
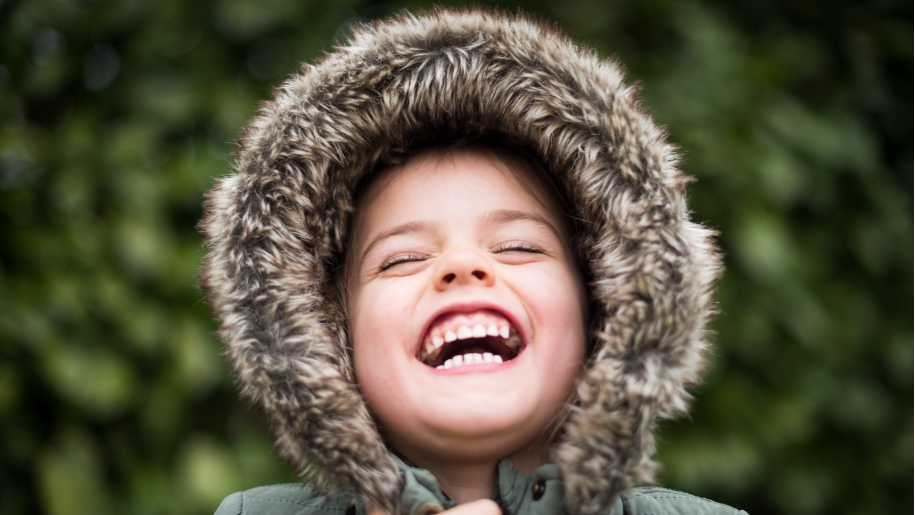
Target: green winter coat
[540, 493]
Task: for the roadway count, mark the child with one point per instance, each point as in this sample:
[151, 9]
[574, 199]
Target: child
[455, 267]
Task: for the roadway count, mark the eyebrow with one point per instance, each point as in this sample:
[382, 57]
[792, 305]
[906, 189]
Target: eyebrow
[504, 216]
[416, 226]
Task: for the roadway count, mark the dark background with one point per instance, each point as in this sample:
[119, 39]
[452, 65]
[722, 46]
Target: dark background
[795, 117]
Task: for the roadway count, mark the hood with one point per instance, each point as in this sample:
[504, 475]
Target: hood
[276, 231]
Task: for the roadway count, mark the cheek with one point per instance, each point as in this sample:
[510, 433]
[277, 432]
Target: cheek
[364, 348]
[565, 311]
[376, 319]
[373, 375]
[562, 297]
[378, 332]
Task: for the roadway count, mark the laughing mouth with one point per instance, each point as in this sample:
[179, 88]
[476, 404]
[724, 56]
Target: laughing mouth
[461, 339]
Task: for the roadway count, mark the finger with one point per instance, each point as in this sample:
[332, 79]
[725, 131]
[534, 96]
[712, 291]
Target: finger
[480, 507]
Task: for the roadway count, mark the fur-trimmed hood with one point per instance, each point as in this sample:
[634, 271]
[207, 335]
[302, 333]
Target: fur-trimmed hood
[277, 229]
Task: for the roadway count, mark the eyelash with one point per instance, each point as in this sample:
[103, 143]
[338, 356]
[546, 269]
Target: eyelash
[517, 246]
[401, 258]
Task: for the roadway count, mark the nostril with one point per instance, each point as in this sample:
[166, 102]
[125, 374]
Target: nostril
[479, 274]
[448, 278]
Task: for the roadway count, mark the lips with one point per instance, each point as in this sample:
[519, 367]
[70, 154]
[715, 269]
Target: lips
[459, 339]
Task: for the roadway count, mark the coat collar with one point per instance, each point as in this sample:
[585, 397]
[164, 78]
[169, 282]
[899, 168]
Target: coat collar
[540, 492]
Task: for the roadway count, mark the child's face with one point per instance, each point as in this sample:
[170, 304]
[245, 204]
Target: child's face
[455, 258]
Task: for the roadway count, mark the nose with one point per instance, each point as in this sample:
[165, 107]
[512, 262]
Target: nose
[464, 267]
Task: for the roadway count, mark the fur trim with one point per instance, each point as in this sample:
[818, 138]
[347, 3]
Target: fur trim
[276, 231]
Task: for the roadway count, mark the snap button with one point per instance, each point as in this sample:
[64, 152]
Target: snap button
[538, 489]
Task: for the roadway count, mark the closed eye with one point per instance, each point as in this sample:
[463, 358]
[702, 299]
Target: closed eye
[517, 246]
[401, 259]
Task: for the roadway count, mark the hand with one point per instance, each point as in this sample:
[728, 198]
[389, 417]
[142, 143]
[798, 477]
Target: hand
[480, 507]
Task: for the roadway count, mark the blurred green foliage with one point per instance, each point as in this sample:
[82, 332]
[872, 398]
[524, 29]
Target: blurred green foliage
[117, 115]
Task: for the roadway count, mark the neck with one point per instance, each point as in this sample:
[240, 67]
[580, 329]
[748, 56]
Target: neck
[465, 482]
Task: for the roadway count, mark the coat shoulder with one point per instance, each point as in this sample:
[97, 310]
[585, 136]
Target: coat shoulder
[286, 499]
[661, 501]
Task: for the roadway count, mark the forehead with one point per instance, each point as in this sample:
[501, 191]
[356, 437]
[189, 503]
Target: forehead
[512, 174]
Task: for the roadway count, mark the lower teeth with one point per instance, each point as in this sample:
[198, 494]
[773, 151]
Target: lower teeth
[470, 359]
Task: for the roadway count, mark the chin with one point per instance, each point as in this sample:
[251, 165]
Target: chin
[472, 432]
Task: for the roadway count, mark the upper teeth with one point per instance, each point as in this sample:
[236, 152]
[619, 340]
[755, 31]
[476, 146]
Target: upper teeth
[462, 327]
